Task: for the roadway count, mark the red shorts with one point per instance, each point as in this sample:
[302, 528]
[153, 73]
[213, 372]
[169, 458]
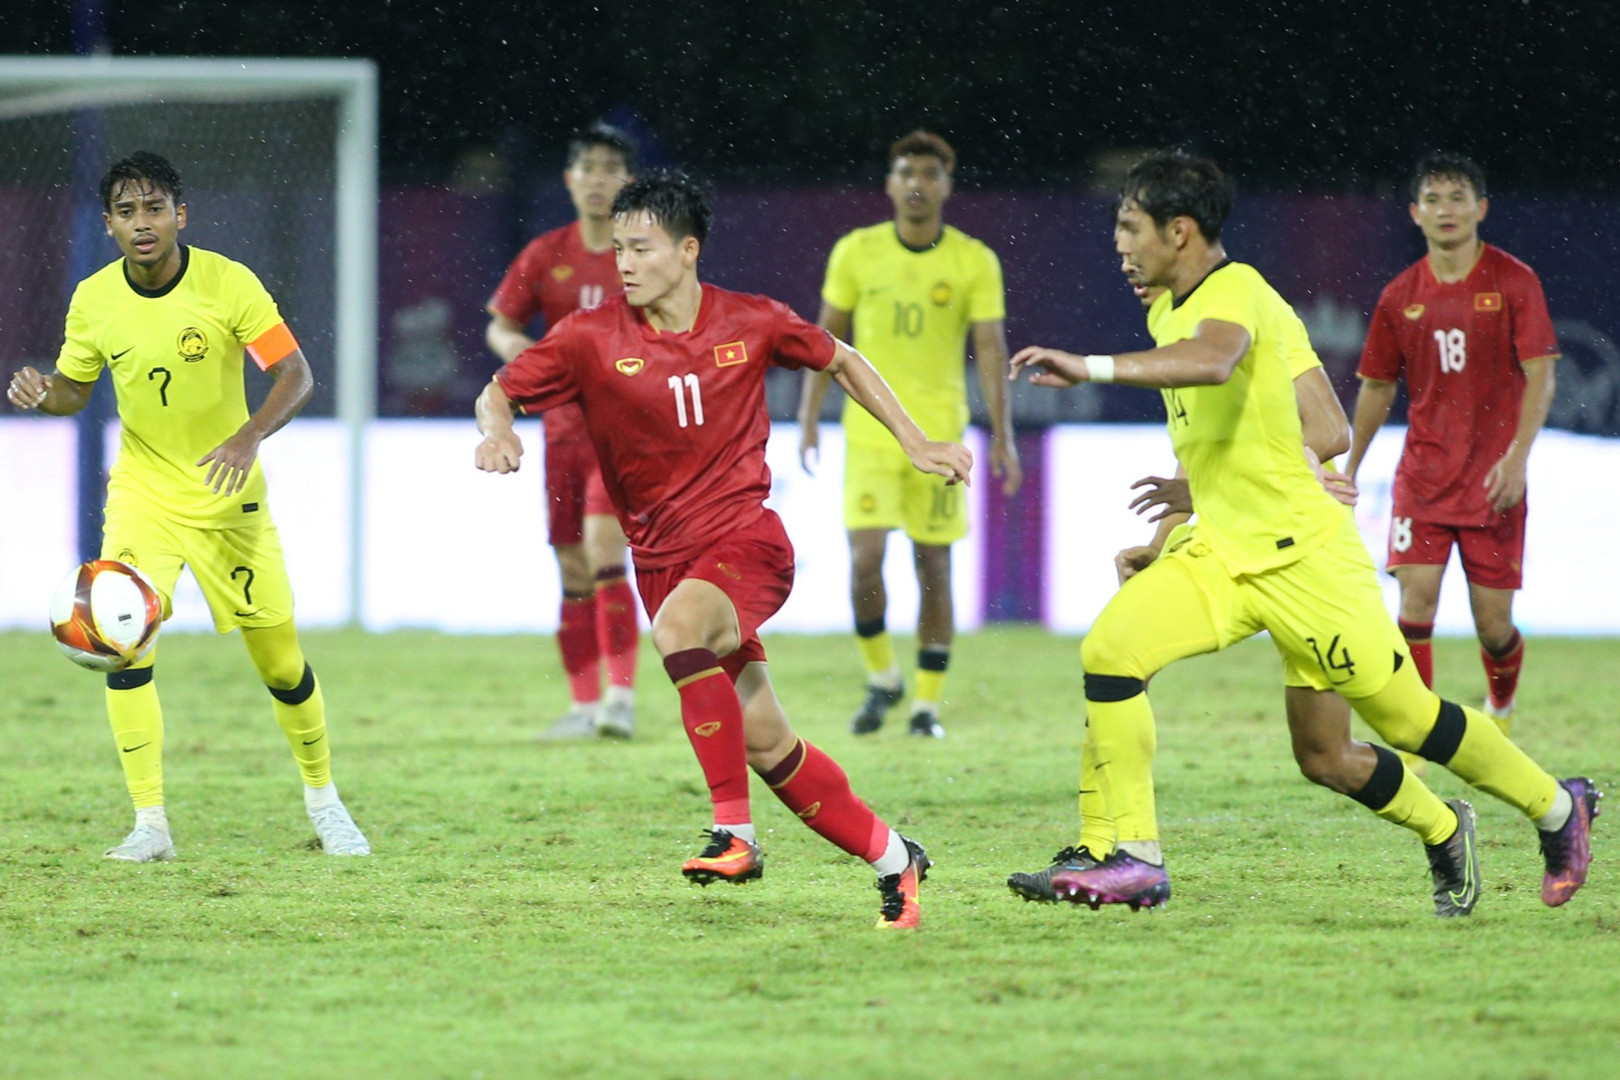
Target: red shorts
[574, 490]
[1492, 555]
[753, 566]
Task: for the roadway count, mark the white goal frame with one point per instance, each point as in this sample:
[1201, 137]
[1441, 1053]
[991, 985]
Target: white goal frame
[64, 83]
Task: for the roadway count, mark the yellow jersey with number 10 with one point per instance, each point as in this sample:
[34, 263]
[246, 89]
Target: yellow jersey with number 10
[912, 313]
[176, 359]
[1259, 504]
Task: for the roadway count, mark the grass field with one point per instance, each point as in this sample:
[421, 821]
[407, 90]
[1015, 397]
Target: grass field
[523, 915]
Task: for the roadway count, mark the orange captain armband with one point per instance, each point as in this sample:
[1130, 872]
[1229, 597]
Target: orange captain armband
[272, 346]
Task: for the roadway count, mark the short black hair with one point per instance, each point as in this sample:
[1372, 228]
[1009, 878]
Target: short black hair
[602, 134]
[141, 165]
[1441, 165]
[1173, 183]
[922, 143]
[671, 198]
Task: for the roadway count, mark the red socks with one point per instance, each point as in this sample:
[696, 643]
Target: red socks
[1503, 670]
[616, 627]
[813, 786]
[712, 715]
[1419, 640]
[576, 641]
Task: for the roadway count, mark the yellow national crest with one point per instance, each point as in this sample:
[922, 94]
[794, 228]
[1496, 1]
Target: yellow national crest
[1487, 301]
[1414, 312]
[630, 365]
[562, 273]
[732, 352]
[193, 344]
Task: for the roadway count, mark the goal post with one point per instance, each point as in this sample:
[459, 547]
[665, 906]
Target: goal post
[251, 127]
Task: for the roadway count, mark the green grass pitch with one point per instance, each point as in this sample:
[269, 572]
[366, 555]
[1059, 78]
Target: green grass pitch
[524, 916]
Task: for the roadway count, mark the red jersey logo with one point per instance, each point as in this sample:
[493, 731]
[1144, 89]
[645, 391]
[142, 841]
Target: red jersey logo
[1487, 301]
[630, 365]
[732, 352]
[1414, 312]
[562, 273]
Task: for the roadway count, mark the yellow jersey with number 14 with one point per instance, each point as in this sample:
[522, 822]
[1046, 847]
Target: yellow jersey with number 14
[1259, 504]
[176, 359]
[912, 313]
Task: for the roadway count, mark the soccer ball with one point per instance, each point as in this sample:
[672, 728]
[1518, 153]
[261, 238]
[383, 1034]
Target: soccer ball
[106, 615]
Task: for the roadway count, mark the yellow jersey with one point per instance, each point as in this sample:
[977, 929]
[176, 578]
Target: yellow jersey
[176, 359]
[1259, 504]
[912, 312]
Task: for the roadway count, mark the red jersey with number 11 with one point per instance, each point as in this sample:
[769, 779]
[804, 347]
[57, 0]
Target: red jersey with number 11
[678, 421]
[1460, 346]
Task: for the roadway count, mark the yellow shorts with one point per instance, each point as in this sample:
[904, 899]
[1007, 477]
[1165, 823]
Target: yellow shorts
[883, 490]
[1325, 613]
[242, 571]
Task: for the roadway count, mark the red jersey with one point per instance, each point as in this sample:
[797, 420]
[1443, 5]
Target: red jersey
[678, 421]
[553, 276]
[1460, 347]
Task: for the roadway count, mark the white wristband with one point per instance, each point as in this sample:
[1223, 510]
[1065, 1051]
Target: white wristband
[1099, 369]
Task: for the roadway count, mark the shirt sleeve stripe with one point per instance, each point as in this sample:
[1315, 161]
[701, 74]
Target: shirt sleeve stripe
[272, 346]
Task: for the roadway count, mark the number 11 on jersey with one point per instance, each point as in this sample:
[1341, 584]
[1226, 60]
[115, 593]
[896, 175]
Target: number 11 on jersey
[680, 385]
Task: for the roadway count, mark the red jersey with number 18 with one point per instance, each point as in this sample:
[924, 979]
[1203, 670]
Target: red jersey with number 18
[1460, 346]
[553, 276]
[678, 421]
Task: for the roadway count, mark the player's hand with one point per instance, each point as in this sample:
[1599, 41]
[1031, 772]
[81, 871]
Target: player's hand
[1005, 466]
[809, 446]
[1337, 484]
[1171, 494]
[230, 462]
[1505, 483]
[499, 453]
[951, 460]
[1047, 367]
[28, 388]
[1133, 560]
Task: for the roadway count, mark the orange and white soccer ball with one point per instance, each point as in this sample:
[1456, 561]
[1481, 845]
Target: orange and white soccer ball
[106, 615]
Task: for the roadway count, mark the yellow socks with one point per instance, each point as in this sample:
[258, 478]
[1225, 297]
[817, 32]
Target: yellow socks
[137, 725]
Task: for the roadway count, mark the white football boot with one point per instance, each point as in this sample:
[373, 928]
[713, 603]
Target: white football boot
[145, 843]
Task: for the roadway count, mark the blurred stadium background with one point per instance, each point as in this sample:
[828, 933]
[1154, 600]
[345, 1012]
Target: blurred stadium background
[1318, 113]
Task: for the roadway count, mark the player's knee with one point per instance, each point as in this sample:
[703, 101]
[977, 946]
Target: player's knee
[294, 689]
[1327, 766]
[1100, 657]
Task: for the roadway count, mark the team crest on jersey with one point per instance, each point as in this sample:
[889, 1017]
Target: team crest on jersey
[1414, 312]
[732, 352]
[562, 273]
[630, 365]
[941, 293]
[193, 344]
[1487, 301]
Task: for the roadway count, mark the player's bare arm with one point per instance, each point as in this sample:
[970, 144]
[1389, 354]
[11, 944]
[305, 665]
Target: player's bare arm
[501, 450]
[54, 394]
[230, 462]
[990, 356]
[505, 336]
[1373, 402]
[862, 383]
[1208, 358]
[837, 322]
[1505, 482]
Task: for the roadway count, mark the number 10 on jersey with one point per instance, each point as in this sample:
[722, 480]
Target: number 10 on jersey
[679, 386]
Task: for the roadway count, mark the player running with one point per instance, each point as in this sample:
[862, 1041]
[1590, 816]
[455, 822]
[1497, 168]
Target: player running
[914, 289]
[556, 273]
[172, 323]
[1273, 551]
[671, 377]
[1467, 328]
